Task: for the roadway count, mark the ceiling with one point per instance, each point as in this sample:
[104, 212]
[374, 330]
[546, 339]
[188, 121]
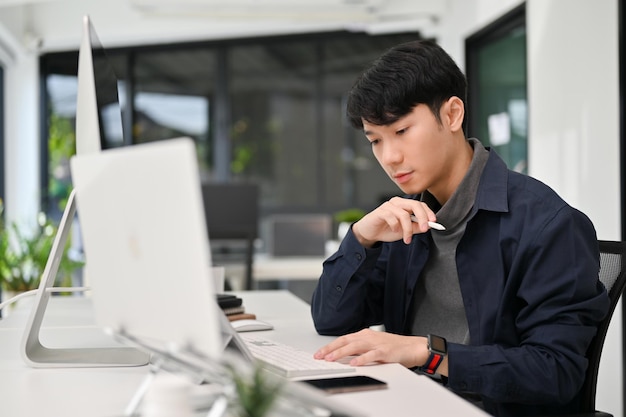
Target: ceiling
[366, 11]
[53, 24]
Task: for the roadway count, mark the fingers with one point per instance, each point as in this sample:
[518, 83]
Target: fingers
[368, 357]
[398, 218]
[368, 347]
[410, 215]
[341, 347]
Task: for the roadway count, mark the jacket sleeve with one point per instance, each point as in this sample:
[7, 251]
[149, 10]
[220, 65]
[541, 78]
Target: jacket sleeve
[348, 296]
[553, 287]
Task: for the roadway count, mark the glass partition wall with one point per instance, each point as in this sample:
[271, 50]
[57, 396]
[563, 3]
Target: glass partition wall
[263, 110]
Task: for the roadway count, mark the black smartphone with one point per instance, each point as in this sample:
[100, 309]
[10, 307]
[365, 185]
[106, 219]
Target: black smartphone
[351, 383]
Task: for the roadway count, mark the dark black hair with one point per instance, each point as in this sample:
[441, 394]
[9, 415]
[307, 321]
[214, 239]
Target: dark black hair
[418, 72]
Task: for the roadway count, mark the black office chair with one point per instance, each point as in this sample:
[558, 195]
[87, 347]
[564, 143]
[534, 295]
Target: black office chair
[613, 276]
[232, 213]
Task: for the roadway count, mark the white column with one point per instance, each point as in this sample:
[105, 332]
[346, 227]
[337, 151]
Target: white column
[574, 130]
[21, 106]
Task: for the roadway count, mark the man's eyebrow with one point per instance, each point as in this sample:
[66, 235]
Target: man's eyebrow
[368, 132]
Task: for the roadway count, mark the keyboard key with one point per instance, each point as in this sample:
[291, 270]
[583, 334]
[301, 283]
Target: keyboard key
[288, 361]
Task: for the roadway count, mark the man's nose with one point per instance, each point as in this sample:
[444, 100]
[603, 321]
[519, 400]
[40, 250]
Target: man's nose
[391, 154]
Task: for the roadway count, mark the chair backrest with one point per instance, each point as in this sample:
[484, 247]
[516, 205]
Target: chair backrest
[232, 210]
[613, 276]
[232, 213]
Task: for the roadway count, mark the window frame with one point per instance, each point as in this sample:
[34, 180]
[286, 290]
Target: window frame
[474, 45]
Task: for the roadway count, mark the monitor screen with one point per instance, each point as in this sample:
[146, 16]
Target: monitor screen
[98, 111]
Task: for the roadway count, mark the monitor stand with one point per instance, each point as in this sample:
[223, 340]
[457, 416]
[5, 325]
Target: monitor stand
[34, 353]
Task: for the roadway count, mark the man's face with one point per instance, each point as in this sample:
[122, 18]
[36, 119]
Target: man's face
[413, 150]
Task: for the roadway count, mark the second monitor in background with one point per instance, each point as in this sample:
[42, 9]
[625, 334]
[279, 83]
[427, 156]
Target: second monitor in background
[299, 234]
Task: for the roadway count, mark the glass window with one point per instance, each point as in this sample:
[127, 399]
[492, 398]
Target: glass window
[172, 91]
[288, 128]
[262, 110]
[273, 139]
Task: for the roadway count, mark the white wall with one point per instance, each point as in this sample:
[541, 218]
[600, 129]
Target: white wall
[574, 129]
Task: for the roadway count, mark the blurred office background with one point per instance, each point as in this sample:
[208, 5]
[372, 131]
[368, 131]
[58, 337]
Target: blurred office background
[260, 86]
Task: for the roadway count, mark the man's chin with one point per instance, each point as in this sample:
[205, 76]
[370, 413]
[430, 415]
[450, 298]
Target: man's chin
[407, 189]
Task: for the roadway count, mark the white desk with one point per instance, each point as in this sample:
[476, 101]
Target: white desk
[105, 392]
[267, 268]
[271, 268]
[27, 392]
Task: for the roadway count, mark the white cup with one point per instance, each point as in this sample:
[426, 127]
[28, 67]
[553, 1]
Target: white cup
[218, 278]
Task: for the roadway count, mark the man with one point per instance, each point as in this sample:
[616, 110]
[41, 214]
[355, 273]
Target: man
[508, 294]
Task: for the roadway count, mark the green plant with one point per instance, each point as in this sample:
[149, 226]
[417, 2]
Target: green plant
[256, 392]
[349, 215]
[23, 255]
[61, 146]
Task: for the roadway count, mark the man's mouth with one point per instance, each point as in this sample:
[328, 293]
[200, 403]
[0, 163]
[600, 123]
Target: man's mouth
[402, 177]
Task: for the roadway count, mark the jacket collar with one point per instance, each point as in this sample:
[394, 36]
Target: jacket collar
[492, 193]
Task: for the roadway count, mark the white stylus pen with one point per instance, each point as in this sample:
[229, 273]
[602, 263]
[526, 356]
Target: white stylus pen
[433, 225]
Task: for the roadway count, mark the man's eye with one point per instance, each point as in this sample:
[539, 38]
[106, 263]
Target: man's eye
[374, 142]
[401, 131]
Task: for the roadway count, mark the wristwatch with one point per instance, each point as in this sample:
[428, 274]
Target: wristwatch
[437, 349]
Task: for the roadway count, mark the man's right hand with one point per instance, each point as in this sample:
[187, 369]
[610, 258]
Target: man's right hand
[391, 221]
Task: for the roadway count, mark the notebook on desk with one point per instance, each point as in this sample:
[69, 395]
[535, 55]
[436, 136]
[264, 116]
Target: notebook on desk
[148, 256]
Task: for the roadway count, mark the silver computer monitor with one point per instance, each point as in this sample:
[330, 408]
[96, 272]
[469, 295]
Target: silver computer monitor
[148, 253]
[97, 107]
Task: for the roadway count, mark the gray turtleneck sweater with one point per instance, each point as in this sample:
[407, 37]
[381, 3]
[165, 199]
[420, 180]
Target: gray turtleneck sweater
[437, 307]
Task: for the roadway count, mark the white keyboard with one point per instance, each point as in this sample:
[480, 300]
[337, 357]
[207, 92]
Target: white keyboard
[288, 361]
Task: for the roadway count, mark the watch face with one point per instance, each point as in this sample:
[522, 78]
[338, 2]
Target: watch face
[437, 344]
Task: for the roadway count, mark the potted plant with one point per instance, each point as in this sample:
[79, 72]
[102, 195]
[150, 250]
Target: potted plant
[249, 390]
[345, 218]
[24, 254]
[255, 392]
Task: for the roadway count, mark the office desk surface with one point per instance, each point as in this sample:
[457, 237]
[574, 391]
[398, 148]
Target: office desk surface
[67, 392]
[268, 268]
[105, 392]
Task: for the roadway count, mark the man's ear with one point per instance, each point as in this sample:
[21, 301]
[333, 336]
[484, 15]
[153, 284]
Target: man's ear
[453, 113]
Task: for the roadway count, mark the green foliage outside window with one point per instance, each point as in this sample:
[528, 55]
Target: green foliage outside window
[24, 254]
[24, 251]
[61, 146]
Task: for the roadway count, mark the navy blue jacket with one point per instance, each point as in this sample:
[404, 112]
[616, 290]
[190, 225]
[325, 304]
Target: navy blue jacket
[528, 272]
